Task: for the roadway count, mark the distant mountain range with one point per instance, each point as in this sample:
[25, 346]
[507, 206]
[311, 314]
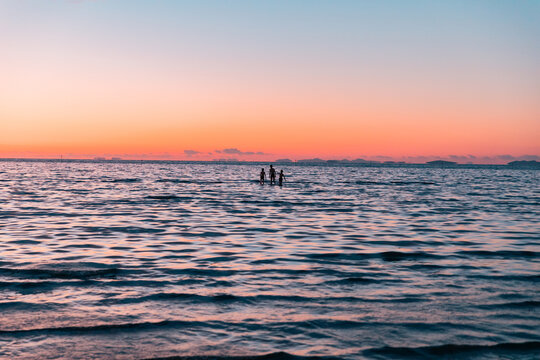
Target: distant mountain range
[523, 164]
[533, 164]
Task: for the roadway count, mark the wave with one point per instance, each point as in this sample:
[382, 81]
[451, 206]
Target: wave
[100, 327]
[532, 278]
[392, 256]
[169, 197]
[126, 180]
[25, 242]
[506, 254]
[353, 280]
[255, 299]
[24, 287]
[26, 306]
[215, 273]
[389, 256]
[251, 299]
[82, 246]
[284, 326]
[62, 271]
[201, 272]
[37, 286]
[202, 234]
[21, 192]
[272, 356]
[531, 347]
[121, 229]
[360, 280]
[512, 305]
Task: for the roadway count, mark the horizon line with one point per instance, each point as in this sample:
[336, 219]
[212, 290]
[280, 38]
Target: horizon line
[312, 161]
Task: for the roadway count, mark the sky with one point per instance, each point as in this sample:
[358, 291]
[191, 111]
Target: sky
[263, 80]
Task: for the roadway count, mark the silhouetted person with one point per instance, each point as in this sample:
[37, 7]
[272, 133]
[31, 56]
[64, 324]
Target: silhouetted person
[281, 177]
[272, 175]
[263, 175]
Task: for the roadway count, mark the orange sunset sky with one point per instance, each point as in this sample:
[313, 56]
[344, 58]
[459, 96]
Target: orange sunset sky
[382, 80]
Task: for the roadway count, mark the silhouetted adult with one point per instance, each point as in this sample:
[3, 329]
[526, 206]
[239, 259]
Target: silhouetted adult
[272, 175]
[263, 175]
[281, 177]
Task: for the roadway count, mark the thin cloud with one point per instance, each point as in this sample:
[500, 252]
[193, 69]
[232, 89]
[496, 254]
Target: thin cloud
[235, 151]
[191, 152]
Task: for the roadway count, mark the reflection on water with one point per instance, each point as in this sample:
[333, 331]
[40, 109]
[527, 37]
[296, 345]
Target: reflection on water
[147, 260]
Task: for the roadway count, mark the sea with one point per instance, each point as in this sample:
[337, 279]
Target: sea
[127, 260]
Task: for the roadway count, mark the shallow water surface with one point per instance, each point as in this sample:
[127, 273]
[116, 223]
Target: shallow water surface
[132, 261]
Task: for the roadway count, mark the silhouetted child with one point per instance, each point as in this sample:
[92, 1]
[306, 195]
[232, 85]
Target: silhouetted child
[272, 175]
[281, 177]
[262, 176]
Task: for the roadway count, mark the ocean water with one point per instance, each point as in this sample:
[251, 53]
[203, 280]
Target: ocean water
[134, 261]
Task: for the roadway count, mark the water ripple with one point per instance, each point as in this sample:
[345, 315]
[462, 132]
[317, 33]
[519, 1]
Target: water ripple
[161, 259]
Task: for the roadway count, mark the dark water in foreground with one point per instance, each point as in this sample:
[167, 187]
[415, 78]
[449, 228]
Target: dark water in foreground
[135, 261]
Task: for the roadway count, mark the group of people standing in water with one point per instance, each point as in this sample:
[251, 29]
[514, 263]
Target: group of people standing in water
[272, 172]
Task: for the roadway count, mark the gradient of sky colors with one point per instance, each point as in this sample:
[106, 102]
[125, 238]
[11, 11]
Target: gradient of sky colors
[296, 79]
